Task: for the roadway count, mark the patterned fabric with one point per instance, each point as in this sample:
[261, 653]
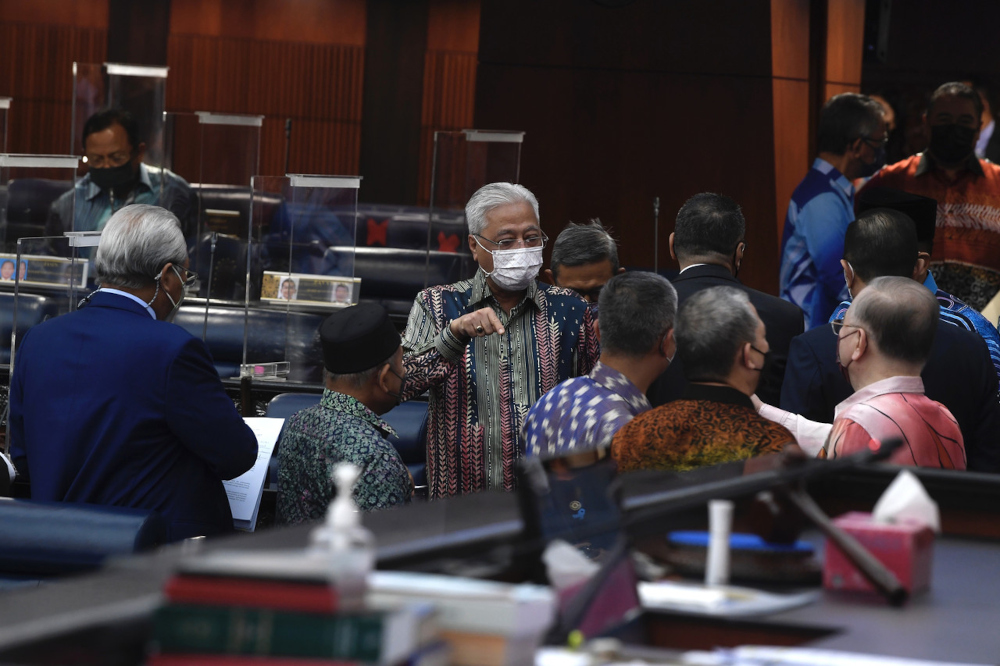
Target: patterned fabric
[896, 408]
[813, 242]
[338, 429]
[711, 425]
[968, 222]
[582, 413]
[956, 313]
[93, 207]
[480, 392]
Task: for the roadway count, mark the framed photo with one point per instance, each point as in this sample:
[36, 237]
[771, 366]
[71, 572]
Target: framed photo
[329, 291]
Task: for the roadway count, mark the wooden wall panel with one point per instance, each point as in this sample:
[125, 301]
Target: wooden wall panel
[72, 13]
[36, 61]
[845, 24]
[303, 21]
[318, 86]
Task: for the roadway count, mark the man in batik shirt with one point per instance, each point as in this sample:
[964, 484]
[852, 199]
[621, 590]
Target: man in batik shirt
[364, 379]
[488, 348]
[582, 415]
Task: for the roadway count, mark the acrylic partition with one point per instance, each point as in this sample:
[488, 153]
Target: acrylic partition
[4, 112]
[218, 155]
[138, 89]
[463, 162]
[36, 197]
[300, 268]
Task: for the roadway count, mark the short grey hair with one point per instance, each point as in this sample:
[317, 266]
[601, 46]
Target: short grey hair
[492, 196]
[636, 308]
[137, 242]
[900, 315]
[581, 244]
[711, 327]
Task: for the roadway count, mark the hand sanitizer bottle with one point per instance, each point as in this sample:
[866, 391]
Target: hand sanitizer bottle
[348, 545]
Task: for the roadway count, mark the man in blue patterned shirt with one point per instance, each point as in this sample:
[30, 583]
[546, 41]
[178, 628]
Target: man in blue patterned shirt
[364, 378]
[113, 152]
[582, 415]
[851, 145]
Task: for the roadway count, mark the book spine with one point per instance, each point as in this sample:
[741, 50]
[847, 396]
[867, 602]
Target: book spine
[257, 631]
[277, 595]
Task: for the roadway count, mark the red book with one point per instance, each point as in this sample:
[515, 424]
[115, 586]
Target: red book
[251, 592]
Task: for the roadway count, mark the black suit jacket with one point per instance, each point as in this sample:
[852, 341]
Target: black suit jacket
[782, 319]
[958, 374]
[992, 152]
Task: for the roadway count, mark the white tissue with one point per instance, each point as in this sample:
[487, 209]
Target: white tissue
[905, 500]
[566, 566]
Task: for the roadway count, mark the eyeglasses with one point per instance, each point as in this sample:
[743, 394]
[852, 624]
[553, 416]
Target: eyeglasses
[192, 277]
[533, 239]
[837, 324]
[105, 161]
[876, 143]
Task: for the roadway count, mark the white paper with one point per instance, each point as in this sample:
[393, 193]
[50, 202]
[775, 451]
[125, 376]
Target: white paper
[245, 491]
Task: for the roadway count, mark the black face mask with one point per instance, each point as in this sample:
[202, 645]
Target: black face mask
[869, 170]
[113, 177]
[952, 143]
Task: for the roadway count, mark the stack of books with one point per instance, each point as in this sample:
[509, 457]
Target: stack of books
[282, 610]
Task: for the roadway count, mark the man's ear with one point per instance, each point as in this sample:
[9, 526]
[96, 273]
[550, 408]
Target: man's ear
[474, 247]
[549, 276]
[140, 152]
[920, 267]
[862, 347]
[847, 268]
[670, 244]
[383, 378]
[621, 270]
[668, 346]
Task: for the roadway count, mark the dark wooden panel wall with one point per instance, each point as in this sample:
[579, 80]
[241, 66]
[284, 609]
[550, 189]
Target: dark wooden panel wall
[623, 104]
[39, 41]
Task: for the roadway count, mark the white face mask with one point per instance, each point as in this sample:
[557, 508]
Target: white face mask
[513, 270]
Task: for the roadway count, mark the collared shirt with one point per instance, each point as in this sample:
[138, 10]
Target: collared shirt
[967, 243]
[582, 413]
[88, 208]
[813, 242]
[338, 429]
[954, 312]
[133, 297]
[896, 408]
[711, 425]
[985, 135]
[481, 390]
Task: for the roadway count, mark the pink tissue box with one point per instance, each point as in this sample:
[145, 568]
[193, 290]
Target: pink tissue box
[905, 549]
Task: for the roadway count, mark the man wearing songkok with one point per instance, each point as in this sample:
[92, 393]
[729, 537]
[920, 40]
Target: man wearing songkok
[882, 345]
[489, 347]
[958, 372]
[364, 372]
[851, 145]
[922, 211]
[584, 258]
[112, 404]
[967, 190]
[723, 346]
[582, 414]
[709, 243]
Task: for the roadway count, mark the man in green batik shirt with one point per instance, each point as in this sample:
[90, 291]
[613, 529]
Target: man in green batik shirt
[364, 378]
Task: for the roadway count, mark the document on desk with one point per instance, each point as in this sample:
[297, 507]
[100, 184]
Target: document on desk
[245, 491]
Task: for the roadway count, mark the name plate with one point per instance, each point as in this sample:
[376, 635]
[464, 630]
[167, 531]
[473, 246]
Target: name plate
[42, 270]
[328, 291]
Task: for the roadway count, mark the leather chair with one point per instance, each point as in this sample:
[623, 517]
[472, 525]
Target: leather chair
[50, 539]
[29, 200]
[31, 309]
[408, 419]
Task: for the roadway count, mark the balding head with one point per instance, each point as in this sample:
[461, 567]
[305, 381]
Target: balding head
[900, 316]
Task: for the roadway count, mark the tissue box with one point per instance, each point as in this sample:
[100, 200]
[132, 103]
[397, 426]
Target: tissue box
[905, 549]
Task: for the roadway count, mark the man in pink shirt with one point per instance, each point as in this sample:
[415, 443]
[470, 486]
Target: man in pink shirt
[883, 343]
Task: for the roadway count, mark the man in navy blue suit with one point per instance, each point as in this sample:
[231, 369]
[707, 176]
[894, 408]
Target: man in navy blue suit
[114, 405]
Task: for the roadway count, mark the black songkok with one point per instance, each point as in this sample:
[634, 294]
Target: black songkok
[357, 338]
[922, 210]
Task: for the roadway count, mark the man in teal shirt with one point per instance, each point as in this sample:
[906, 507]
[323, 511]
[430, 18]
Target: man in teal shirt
[364, 379]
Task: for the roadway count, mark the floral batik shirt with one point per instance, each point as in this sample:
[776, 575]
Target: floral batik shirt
[338, 429]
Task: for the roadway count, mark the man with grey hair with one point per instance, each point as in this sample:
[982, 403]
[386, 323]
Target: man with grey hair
[582, 415]
[113, 405]
[722, 343]
[584, 258]
[489, 347]
[883, 343]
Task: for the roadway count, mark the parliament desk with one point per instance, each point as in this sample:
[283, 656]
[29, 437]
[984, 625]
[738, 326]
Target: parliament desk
[104, 618]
